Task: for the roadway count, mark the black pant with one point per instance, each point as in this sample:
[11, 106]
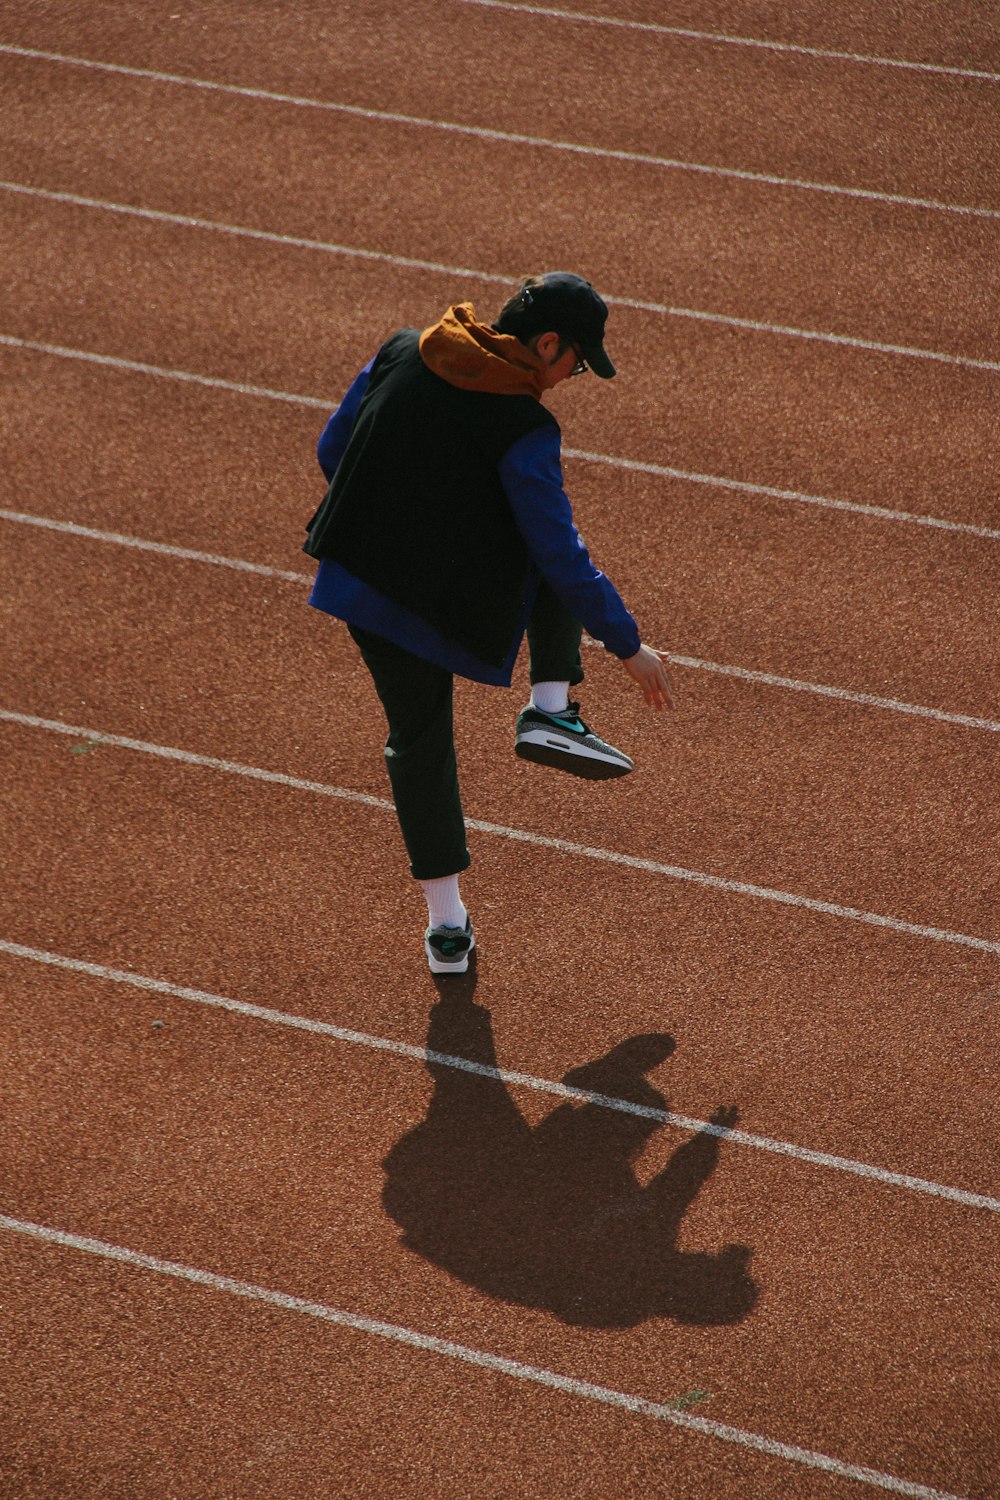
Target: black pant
[420, 749]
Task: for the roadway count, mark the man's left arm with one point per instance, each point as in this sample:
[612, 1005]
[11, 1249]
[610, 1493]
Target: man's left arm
[531, 474]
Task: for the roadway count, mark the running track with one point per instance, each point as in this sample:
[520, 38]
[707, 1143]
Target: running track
[277, 1216]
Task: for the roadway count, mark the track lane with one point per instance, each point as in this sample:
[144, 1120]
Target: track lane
[547, 1088]
[970, 38]
[284, 1401]
[824, 420]
[899, 812]
[278, 1400]
[733, 108]
[717, 575]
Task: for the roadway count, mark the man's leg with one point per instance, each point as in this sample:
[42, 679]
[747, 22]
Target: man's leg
[554, 645]
[550, 730]
[420, 760]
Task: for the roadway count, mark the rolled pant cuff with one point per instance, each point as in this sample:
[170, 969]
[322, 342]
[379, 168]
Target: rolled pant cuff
[437, 870]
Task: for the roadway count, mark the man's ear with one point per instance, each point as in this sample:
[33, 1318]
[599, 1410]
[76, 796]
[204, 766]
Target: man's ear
[547, 346]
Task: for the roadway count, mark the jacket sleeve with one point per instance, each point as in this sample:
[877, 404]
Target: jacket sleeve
[336, 434]
[531, 474]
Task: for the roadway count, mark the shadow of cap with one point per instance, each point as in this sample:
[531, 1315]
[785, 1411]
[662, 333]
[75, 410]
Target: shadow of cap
[621, 1072]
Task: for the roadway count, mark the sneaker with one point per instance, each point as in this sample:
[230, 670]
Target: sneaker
[448, 948]
[564, 740]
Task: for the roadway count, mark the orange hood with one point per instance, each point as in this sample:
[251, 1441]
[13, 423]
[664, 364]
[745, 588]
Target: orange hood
[477, 358]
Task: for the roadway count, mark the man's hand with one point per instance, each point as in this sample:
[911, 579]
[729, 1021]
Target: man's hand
[647, 669]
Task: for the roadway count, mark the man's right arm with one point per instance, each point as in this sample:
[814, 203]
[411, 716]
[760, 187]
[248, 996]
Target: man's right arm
[337, 432]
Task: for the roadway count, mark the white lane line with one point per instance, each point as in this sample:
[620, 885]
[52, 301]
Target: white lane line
[518, 835]
[660, 471]
[663, 1411]
[503, 1075]
[736, 41]
[165, 549]
[877, 512]
[659, 309]
[845, 695]
[136, 367]
[842, 340]
[511, 138]
[264, 570]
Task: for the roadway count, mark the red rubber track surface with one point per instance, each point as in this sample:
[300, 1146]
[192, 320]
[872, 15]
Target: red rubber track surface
[215, 1002]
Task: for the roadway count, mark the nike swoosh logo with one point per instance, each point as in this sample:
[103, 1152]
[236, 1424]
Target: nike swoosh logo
[574, 726]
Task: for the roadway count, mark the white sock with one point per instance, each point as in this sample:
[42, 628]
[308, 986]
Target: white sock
[444, 904]
[550, 697]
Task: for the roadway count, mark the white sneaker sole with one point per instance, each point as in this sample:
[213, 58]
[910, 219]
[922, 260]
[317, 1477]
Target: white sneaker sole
[442, 966]
[549, 748]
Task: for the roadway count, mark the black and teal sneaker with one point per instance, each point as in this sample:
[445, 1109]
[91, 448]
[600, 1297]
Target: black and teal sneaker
[563, 740]
[448, 948]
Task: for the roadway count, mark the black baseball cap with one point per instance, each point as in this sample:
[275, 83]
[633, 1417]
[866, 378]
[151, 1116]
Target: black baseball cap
[567, 305]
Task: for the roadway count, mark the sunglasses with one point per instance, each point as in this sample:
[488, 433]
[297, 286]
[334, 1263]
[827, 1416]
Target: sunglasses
[581, 367]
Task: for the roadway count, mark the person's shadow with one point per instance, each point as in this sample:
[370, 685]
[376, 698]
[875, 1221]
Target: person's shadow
[553, 1216]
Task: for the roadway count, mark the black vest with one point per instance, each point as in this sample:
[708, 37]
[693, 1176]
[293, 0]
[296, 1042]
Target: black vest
[416, 508]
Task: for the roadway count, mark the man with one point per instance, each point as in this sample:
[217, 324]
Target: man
[445, 535]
